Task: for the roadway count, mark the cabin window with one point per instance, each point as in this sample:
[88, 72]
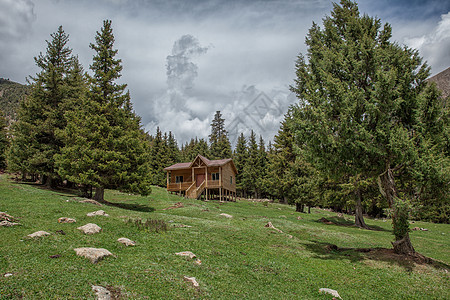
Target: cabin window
[231, 179]
[178, 179]
[215, 176]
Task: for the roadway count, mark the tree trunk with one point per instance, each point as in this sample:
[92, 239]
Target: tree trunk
[386, 184]
[404, 246]
[309, 209]
[298, 207]
[99, 193]
[359, 218]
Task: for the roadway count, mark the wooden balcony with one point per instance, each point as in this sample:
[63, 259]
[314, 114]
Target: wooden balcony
[183, 186]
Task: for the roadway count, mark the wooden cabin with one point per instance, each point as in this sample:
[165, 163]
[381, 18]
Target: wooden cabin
[203, 177]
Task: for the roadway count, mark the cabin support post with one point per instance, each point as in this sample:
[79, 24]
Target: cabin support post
[220, 194]
[167, 179]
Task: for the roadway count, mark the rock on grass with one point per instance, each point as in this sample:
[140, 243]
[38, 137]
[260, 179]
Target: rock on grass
[93, 254]
[38, 234]
[66, 220]
[97, 213]
[90, 228]
[126, 242]
[186, 253]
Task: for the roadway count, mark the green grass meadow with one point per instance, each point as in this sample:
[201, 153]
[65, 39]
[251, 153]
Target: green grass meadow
[240, 258]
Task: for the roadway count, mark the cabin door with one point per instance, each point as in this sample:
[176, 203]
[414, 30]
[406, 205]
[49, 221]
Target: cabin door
[199, 178]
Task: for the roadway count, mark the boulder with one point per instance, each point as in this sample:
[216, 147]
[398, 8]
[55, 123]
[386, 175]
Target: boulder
[5, 217]
[126, 242]
[187, 253]
[93, 254]
[330, 291]
[91, 202]
[97, 213]
[90, 228]
[38, 234]
[270, 225]
[7, 224]
[226, 215]
[102, 293]
[66, 220]
[192, 280]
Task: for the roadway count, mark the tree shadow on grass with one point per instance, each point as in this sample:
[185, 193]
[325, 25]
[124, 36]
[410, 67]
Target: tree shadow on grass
[73, 192]
[339, 221]
[129, 206]
[328, 251]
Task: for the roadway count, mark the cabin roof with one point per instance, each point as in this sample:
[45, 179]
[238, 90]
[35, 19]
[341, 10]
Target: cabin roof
[209, 163]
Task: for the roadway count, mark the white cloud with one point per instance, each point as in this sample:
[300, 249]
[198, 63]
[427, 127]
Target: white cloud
[434, 46]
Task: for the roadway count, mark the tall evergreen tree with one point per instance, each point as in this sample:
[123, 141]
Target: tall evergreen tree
[360, 101]
[158, 159]
[220, 144]
[42, 113]
[251, 171]
[104, 144]
[261, 183]
[240, 158]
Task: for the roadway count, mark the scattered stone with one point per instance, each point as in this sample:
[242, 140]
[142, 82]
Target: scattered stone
[55, 256]
[340, 215]
[5, 217]
[325, 221]
[226, 215]
[93, 254]
[38, 234]
[61, 232]
[334, 293]
[299, 218]
[102, 293]
[198, 262]
[91, 202]
[283, 216]
[90, 228]
[176, 205]
[97, 213]
[419, 229]
[126, 242]
[8, 275]
[270, 225]
[66, 220]
[7, 224]
[181, 226]
[186, 253]
[192, 280]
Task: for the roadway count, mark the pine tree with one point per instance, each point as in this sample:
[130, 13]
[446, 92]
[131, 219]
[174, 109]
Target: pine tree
[158, 159]
[220, 144]
[261, 183]
[41, 114]
[104, 144]
[240, 158]
[359, 111]
[251, 171]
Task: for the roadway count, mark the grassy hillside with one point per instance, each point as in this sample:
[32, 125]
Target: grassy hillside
[240, 258]
[10, 95]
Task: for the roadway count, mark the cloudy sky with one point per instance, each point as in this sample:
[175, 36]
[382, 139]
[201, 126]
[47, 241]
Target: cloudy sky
[183, 60]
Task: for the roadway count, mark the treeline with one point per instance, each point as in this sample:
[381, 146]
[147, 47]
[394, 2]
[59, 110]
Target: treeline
[10, 95]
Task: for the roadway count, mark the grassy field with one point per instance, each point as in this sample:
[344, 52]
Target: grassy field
[240, 258]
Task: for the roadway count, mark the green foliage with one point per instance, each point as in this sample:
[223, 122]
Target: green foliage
[11, 93]
[41, 114]
[400, 215]
[220, 144]
[3, 140]
[365, 108]
[104, 144]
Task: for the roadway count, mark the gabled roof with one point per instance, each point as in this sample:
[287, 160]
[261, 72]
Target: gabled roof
[207, 162]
